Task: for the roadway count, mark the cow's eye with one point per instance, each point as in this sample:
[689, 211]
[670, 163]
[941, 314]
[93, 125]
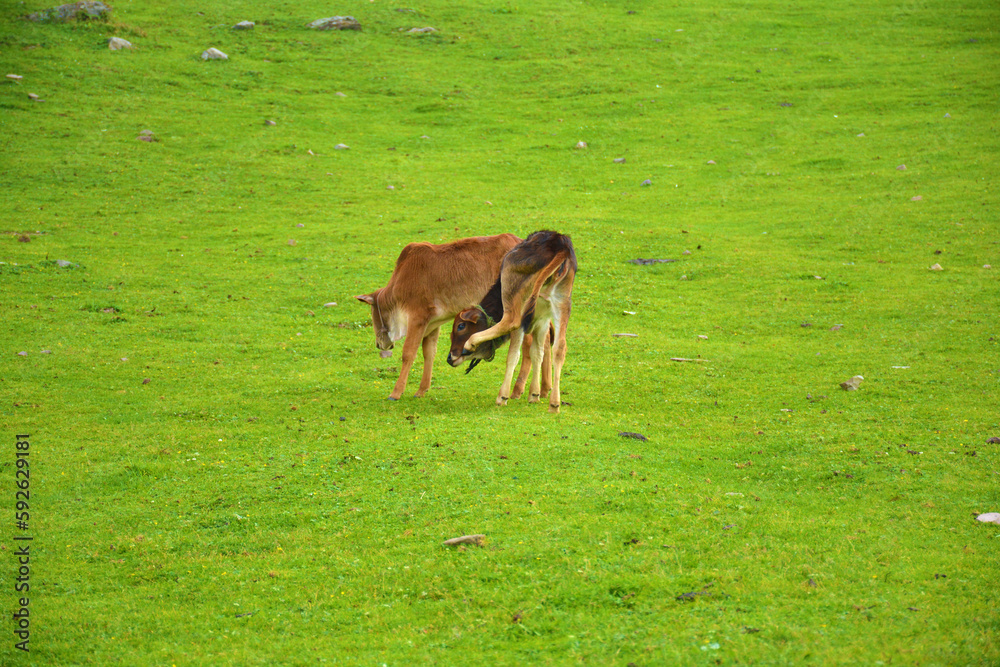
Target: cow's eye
[461, 326]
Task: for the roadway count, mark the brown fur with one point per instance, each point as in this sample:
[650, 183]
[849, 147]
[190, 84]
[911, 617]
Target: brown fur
[429, 286]
[537, 274]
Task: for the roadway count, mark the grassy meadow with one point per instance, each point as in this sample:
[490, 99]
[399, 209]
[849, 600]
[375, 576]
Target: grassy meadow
[217, 478]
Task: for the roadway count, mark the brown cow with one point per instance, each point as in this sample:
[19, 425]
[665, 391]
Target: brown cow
[537, 274]
[430, 284]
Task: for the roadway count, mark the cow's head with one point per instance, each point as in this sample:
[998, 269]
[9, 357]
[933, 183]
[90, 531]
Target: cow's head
[468, 322]
[379, 321]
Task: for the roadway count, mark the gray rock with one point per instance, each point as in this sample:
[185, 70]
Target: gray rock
[117, 44]
[214, 54]
[75, 11]
[619, 160]
[244, 25]
[336, 23]
[422, 31]
[646, 183]
[64, 264]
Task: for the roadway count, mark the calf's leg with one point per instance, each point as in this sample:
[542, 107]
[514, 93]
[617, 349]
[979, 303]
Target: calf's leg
[513, 353]
[522, 376]
[414, 336]
[430, 349]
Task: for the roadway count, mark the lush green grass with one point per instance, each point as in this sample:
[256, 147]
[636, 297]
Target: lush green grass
[258, 501]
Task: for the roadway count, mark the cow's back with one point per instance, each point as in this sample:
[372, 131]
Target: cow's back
[448, 277]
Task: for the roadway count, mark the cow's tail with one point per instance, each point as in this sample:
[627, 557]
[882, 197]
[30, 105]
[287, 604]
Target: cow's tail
[554, 266]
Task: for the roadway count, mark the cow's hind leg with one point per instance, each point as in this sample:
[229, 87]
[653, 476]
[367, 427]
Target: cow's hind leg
[430, 349]
[558, 355]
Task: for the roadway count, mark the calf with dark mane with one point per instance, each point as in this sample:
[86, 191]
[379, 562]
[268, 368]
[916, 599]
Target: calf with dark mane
[481, 318]
[536, 276]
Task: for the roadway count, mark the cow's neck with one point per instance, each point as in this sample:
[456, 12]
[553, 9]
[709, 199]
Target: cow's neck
[492, 303]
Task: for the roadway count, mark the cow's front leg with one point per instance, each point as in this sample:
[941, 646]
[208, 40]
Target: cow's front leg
[414, 336]
[522, 375]
[430, 349]
[537, 360]
[513, 353]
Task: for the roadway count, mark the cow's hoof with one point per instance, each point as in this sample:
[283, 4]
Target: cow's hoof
[501, 401]
[554, 409]
[533, 398]
[392, 398]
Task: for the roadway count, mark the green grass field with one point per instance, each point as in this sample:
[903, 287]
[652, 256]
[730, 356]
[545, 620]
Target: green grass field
[217, 478]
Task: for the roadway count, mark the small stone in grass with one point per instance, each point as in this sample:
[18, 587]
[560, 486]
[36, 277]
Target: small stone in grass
[465, 539]
[635, 436]
[852, 384]
[244, 25]
[146, 380]
[213, 54]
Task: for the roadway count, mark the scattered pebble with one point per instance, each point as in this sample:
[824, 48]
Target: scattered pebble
[336, 23]
[22, 354]
[341, 147]
[117, 44]
[635, 436]
[937, 267]
[917, 198]
[465, 539]
[244, 25]
[213, 54]
[619, 160]
[328, 305]
[15, 77]
[901, 167]
[581, 145]
[989, 517]
[852, 384]
[269, 122]
[422, 31]
[710, 162]
[646, 182]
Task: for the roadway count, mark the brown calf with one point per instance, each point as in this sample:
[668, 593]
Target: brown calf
[538, 274]
[430, 284]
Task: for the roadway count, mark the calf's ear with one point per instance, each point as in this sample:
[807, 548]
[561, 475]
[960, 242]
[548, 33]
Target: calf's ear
[367, 298]
[469, 315]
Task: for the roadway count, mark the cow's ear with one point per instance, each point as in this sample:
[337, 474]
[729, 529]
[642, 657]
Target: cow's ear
[469, 315]
[367, 298]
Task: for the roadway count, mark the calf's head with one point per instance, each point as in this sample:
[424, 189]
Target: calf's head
[468, 322]
[379, 322]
